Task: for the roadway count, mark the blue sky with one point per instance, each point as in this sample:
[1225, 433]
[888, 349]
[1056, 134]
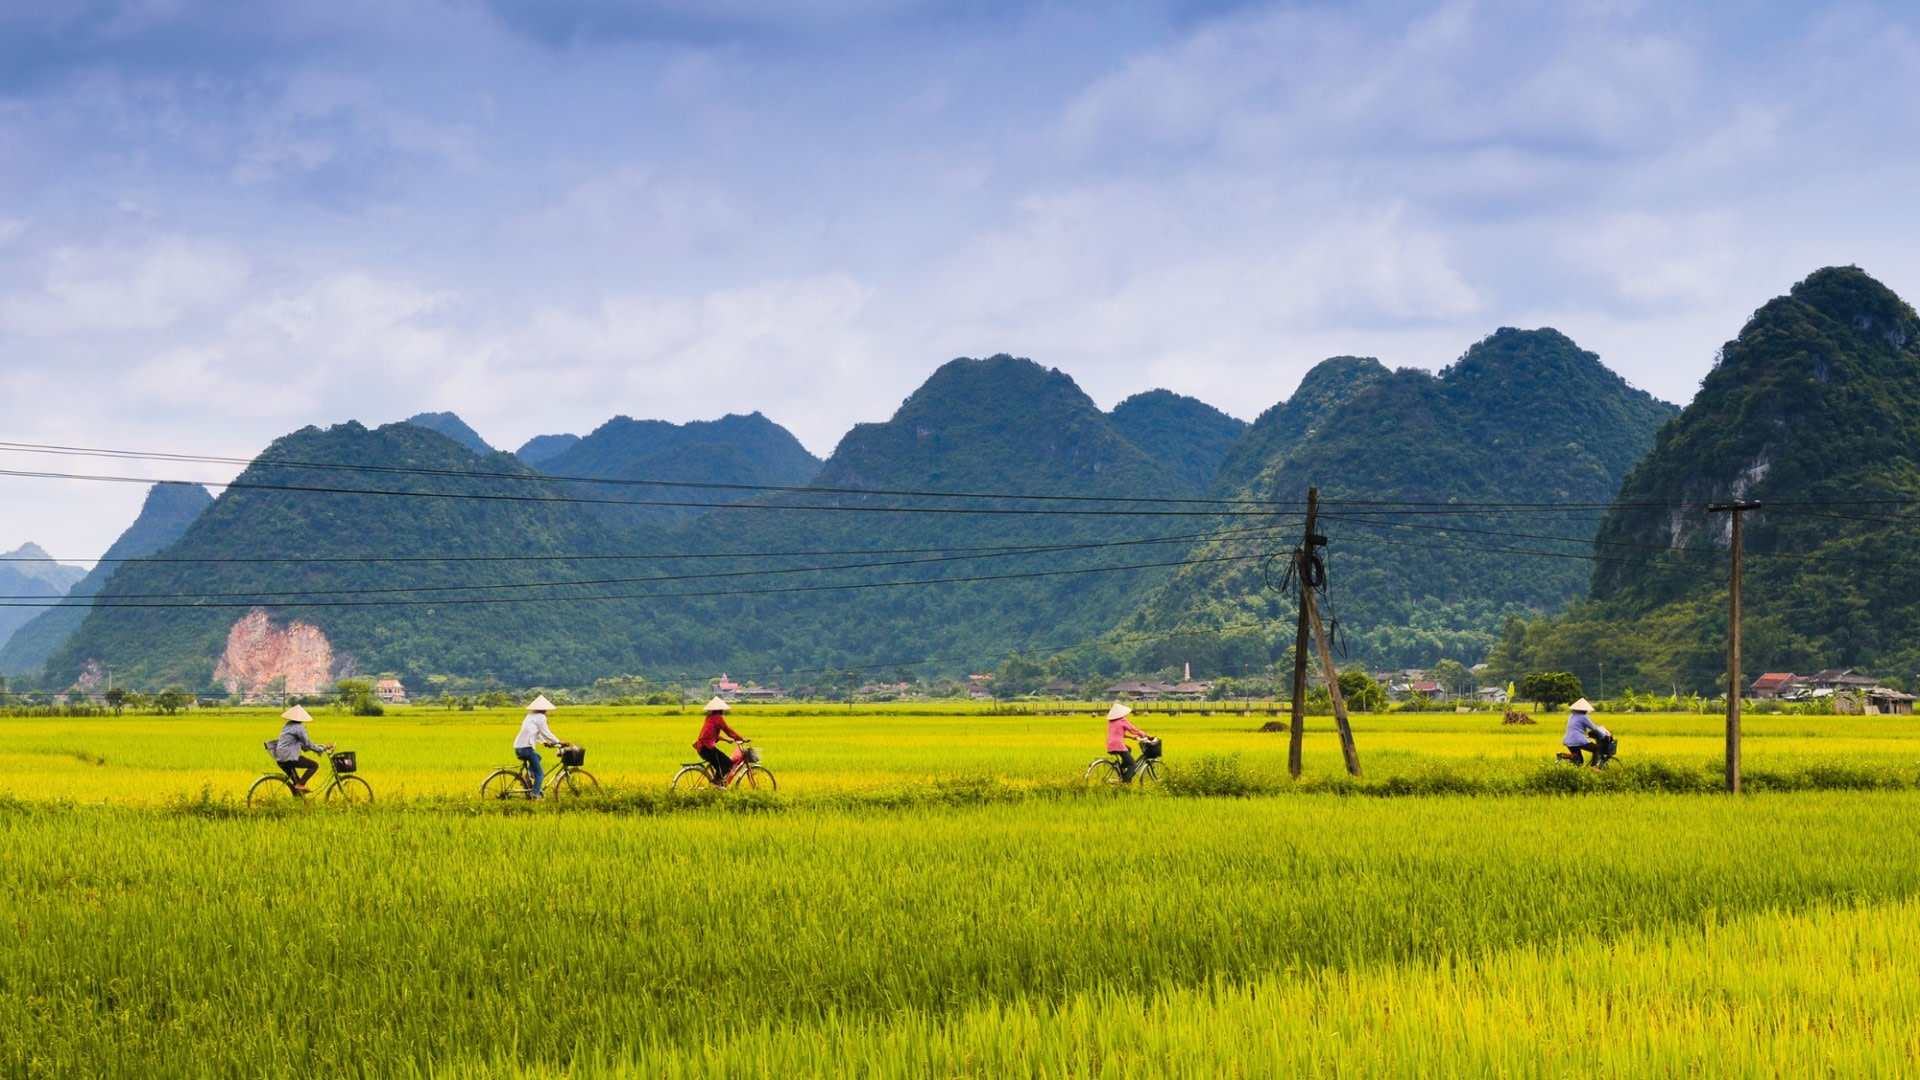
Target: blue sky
[220, 221]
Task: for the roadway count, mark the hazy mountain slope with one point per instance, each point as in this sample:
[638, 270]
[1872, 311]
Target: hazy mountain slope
[542, 447]
[746, 450]
[1810, 411]
[454, 428]
[168, 510]
[30, 577]
[1188, 436]
[1523, 416]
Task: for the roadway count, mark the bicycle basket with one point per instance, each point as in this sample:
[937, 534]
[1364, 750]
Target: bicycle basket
[344, 762]
[573, 756]
[749, 756]
[1149, 749]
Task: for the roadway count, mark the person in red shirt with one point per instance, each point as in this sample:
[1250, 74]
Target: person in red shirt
[708, 744]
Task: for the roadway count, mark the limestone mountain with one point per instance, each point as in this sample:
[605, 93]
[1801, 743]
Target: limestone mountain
[994, 428]
[26, 573]
[1270, 441]
[1186, 435]
[744, 450]
[1810, 410]
[541, 447]
[1524, 416]
[421, 571]
[454, 428]
[168, 510]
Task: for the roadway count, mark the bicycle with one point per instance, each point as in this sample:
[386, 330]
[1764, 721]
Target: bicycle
[516, 781]
[747, 772]
[1106, 770]
[342, 783]
[1603, 748]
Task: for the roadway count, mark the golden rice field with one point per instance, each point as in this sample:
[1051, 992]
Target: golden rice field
[1010, 926]
[415, 752]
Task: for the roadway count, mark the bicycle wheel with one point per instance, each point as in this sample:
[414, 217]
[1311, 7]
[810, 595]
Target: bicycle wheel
[1147, 772]
[691, 778]
[350, 791]
[574, 782]
[1103, 772]
[270, 791]
[502, 784]
[756, 777]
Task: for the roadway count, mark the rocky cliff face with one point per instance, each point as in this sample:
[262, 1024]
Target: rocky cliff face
[260, 654]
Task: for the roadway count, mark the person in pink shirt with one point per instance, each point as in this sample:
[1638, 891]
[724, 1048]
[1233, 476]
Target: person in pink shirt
[708, 744]
[1119, 729]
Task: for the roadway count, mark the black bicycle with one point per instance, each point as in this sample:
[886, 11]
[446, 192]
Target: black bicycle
[343, 785]
[1603, 749]
[1109, 769]
[516, 781]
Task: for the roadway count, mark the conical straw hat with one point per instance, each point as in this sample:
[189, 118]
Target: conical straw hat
[540, 704]
[1583, 705]
[297, 714]
[718, 704]
[1118, 711]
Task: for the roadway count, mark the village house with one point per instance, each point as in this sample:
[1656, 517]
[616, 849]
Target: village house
[1837, 679]
[1775, 685]
[390, 692]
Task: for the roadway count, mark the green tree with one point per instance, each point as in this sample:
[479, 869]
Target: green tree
[116, 699]
[172, 700]
[1362, 694]
[357, 697]
[1550, 688]
[1017, 677]
[1453, 675]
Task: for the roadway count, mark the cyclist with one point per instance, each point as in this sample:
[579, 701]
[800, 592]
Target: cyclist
[535, 733]
[707, 745]
[1119, 729]
[1581, 730]
[287, 749]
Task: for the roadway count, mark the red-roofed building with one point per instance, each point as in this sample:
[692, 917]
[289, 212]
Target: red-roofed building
[1774, 684]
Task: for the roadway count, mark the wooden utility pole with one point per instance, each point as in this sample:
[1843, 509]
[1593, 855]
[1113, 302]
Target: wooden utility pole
[1301, 555]
[1733, 640]
[1304, 558]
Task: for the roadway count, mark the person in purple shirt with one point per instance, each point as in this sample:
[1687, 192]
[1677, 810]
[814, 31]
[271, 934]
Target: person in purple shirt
[1119, 729]
[1581, 730]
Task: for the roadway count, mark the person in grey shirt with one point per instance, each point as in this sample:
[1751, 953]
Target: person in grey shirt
[287, 749]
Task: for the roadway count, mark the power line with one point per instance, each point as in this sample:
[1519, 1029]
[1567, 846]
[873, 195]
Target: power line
[663, 578]
[110, 602]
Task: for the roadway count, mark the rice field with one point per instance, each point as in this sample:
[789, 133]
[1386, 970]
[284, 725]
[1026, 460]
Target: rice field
[833, 931]
[424, 752]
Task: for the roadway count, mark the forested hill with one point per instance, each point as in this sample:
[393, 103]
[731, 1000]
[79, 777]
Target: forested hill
[324, 552]
[454, 428]
[792, 587]
[745, 450]
[1524, 416]
[1271, 440]
[168, 510]
[1810, 410]
[1185, 435]
[977, 427]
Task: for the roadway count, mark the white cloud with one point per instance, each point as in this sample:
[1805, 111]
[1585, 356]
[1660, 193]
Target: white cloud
[111, 290]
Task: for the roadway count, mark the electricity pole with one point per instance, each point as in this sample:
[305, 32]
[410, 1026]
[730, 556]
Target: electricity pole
[1297, 732]
[1304, 562]
[1736, 509]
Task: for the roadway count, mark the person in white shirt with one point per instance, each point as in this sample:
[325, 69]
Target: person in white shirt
[534, 732]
